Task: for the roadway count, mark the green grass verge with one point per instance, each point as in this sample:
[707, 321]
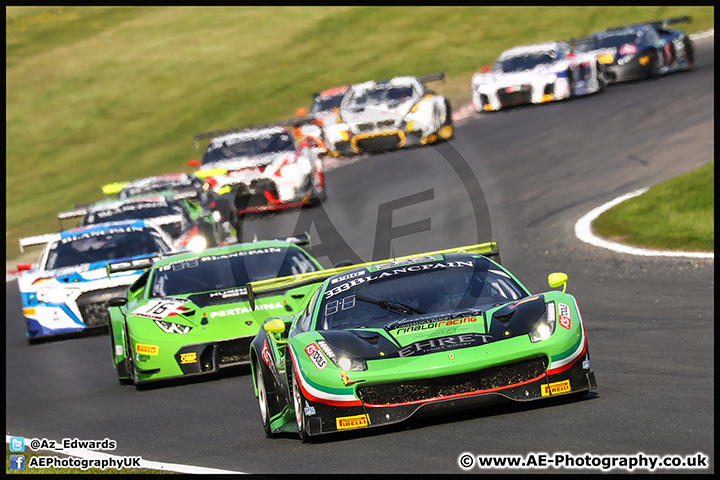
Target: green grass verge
[67, 471]
[678, 214]
[103, 94]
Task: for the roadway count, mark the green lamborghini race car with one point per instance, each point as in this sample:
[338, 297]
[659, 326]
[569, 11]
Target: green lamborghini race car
[188, 314]
[378, 342]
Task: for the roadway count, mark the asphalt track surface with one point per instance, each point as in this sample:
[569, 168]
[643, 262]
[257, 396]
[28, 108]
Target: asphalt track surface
[520, 177]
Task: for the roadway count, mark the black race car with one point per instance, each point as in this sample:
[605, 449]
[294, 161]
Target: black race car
[642, 50]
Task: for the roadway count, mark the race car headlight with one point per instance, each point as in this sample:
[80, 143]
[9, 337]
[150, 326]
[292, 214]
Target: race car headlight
[625, 59]
[343, 360]
[288, 170]
[606, 59]
[169, 327]
[344, 135]
[545, 326]
[197, 243]
[410, 126]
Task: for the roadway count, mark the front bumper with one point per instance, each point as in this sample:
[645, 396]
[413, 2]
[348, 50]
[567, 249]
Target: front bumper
[154, 361]
[86, 311]
[391, 402]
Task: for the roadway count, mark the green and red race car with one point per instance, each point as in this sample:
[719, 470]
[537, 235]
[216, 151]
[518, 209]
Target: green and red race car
[375, 343]
[188, 314]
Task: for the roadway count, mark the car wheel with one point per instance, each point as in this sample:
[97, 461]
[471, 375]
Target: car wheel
[121, 367]
[263, 399]
[689, 52]
[298, 400]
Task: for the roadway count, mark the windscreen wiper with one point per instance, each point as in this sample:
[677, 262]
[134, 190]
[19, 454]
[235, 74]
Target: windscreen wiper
[392, 306]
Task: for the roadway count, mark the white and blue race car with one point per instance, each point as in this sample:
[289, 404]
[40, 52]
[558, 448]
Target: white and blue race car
[534, 74]
[67, 291]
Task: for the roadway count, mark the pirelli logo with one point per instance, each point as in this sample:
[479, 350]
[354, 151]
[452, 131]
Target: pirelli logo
[555, 388]
[356, 421]
[147, 349]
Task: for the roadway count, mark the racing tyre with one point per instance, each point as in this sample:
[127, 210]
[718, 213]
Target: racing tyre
[298, 401]
[689, 52]
[120, 368]
[263, 398]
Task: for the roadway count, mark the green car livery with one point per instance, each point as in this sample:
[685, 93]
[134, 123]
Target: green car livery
[376, 343]
[188, 314]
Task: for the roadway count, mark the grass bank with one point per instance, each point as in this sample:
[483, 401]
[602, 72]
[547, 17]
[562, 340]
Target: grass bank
[678, 214]
[104, 94]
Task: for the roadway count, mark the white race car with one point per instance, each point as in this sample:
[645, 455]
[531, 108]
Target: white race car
[265, 168]
[324, 111]
[535, 74]
[395, 113]
[67, 291]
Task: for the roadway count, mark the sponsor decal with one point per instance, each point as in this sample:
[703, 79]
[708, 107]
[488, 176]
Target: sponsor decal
[564, 315]
[265, 353]
[586, 363]
[147, 349]
[240, 310]
[356, 421]
[235, 292]
[347, 277]
[412, 268]
[408, 261]
[309, 411]
[316, 356]
[101, 232]
[442, 344]
[190, 357]
[555, 388]
[435, 324]
[157, 310]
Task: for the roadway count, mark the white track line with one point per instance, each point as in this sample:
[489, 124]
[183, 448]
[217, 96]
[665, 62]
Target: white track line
[583, 230]
[94, 455]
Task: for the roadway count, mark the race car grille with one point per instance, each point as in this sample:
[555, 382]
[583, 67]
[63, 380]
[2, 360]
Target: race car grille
[93, 305]
[365, 127]
[379, 142]
[234, 351]
[516, 96]
[386, 123]
[481, 381]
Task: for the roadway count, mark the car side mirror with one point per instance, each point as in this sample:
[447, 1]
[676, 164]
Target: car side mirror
[274, 326]
[558, 279]
[117, 301]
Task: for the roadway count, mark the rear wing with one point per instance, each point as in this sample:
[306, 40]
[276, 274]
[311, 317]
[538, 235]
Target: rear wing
[36, 240]
[77, 213]
[672, 21]
[277, 285]
[434, 77]
[220, 133]
[113, 188]
[137, 264]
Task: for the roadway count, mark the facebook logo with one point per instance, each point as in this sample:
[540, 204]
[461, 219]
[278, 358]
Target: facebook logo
[17, 444]
[17, 462]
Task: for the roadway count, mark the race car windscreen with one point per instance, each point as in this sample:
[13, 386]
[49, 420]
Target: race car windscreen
[610, 41]
[232, 270]
[364, 299]
[325, 104]
[524, 62]
[97, 247]
[380, 95]
[248, 147]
